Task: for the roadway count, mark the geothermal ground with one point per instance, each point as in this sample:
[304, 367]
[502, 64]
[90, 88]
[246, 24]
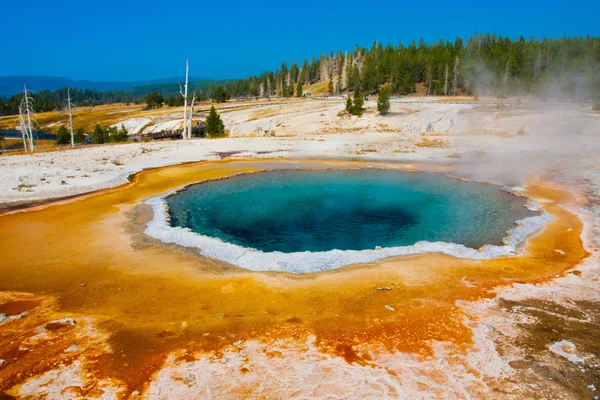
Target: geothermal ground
[91, 307]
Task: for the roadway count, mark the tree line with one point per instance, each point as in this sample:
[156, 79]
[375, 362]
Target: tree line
[483, 64]
[46, 100]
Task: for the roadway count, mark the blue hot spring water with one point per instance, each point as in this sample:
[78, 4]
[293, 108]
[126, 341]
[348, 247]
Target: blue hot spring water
[292, 211]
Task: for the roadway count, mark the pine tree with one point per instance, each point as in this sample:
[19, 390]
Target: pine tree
[330, 87]
[299, 88]
[154, 100]
[357, 106]
[98, 135]
[214, 124]
[220, 95]
[383, 102]
[122, 134]
[62, 136]
[79, 135]
[349, 106]
[408, 82]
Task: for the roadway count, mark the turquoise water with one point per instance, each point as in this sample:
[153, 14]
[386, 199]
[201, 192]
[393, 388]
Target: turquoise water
[291, 211]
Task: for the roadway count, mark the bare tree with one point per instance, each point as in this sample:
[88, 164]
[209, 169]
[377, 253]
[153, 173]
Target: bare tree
[347, 61]
[446, 82]
[190, 117]
[455, 85]
[184, 94]
[429, 78]
[71, 118]
[26, 114]
[22, 126]
[324, 68]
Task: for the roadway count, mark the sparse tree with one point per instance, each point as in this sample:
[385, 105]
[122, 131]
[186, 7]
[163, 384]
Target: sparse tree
[349, 105]
[383, 102]
[154, 100]
[122, 134]
[62, 136]
[357, 103]
[79, 135]
[214, 124]
[98, 135]
[220, 95]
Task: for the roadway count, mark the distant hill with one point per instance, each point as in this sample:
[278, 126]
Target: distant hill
[171, 88]
[10, 85]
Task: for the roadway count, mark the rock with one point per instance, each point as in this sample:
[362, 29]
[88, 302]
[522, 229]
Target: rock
[390, 307]
[383, 288]
[221, 315]
[2, 362]
[238, 343]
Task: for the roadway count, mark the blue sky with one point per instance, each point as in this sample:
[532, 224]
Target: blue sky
[140, 40]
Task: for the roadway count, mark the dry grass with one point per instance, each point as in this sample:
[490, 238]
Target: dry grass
[110, 114]
[339, 129]
[48, 146]
[88, 117]
[264, 113]
[387, 128]
[425, 142]
[458, 99]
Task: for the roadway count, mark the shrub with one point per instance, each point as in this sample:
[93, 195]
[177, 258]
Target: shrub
[63, 136]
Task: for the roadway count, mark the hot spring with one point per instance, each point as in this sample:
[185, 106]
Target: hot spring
[306, 220]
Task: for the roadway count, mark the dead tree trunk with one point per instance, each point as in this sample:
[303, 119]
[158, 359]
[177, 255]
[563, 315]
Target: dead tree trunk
[71, 119]
[185, 94]
[24, 133]
[446, 82]
[26, 113]
[455, 86]
[190, 117]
